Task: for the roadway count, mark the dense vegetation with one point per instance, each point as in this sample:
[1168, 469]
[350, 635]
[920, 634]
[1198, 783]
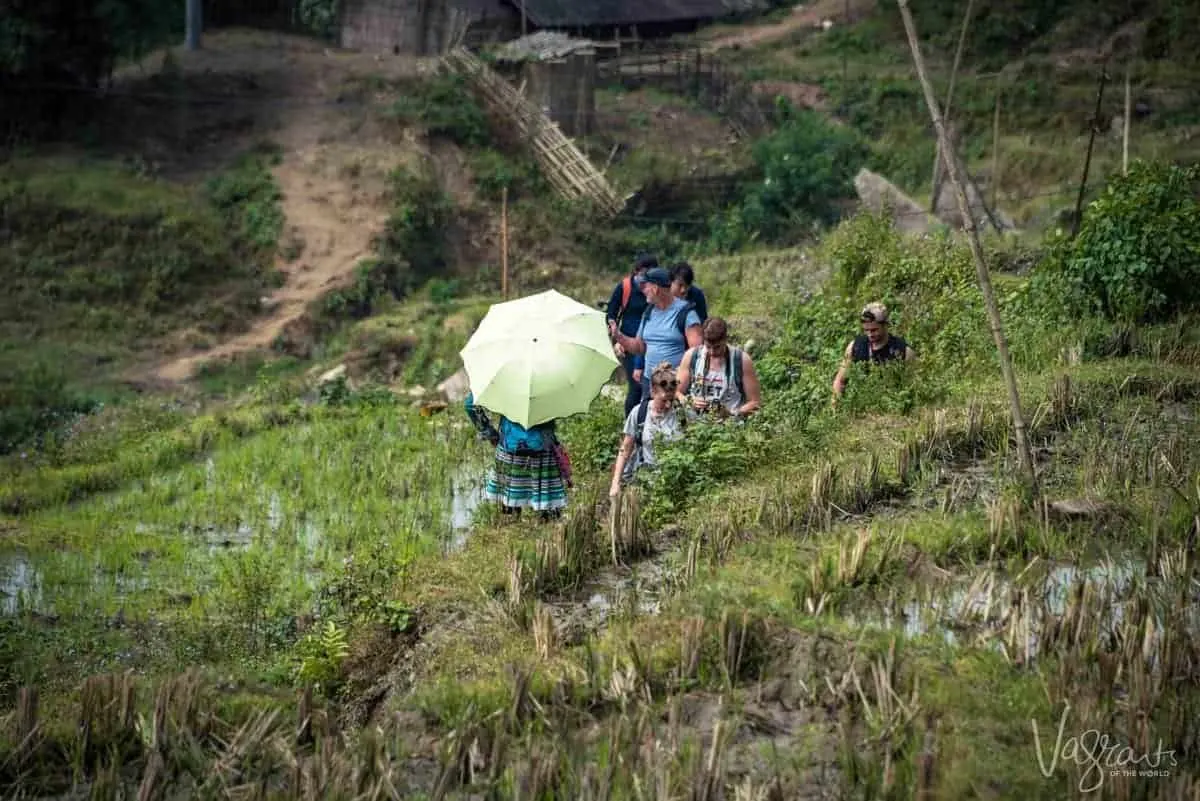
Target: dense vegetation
[810, 600]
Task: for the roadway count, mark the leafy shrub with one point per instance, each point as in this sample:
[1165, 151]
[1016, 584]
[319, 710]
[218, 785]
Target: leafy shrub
[416, 230]
[445, 107]
[494, 171]
[319, 658]
[411, 250]
[34, 400]
[1137, 255]
[592, 439]
[443, 291]
[808, 165]
[711, 453]
[929, 286]
[249, 198]
[319, 16]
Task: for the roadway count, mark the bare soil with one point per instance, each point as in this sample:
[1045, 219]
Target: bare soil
[803, 17]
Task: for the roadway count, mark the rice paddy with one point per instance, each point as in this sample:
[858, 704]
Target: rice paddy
[319, 604]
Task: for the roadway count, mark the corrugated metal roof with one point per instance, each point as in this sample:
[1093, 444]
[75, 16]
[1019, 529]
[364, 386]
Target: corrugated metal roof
[570, 13]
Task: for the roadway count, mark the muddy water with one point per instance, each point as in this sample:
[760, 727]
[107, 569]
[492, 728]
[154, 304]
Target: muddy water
[965, 608]
[20, 584]
[32, 582]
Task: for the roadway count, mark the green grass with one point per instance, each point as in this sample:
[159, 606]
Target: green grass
[280, 532]
[866, 72]
[102, 263]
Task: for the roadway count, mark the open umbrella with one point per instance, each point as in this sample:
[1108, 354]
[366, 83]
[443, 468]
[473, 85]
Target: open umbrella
[538, 358]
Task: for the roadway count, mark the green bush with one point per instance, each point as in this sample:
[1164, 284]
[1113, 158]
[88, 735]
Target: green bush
[808, 166]
[445, 107]
[711, 453]
[319, 16]
[930, 288]
[410, 251]
[249, 198]
[494, 171]
[1137, 255]
[592, 439]
[34, 399]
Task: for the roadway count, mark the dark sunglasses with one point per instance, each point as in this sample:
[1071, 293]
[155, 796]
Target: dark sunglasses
[672, 384]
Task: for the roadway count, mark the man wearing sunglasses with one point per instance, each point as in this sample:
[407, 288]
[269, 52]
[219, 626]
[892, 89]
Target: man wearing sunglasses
[874, 345]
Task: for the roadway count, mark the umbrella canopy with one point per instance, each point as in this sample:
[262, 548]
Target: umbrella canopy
[538, 358]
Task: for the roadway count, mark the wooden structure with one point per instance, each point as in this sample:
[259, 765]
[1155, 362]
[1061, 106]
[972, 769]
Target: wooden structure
[564, 165]
[696, 73]
[558, 74]
[424, 27]
[647, 18]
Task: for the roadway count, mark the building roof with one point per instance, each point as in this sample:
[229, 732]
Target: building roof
[584, 13]
[542, 46]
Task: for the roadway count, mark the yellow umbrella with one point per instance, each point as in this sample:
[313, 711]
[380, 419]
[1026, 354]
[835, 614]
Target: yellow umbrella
[539, 358]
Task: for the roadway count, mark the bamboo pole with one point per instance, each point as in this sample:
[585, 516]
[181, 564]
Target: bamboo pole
[1087, 160]
[1024, 453]
[1128, 115]
[504, 242]
[958, 53]
[996, 150]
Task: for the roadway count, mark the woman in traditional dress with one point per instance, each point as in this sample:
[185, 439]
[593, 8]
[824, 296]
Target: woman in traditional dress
[527, 472]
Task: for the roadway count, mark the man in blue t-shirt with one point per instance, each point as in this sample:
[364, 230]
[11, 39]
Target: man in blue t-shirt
[668, 328]
[625, 310]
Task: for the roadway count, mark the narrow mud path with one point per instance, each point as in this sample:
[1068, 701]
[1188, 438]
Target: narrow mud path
[335, 159]
[801, 17]
[335, 227]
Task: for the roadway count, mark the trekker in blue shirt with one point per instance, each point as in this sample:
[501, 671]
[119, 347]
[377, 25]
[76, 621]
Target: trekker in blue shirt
[625, 310]
[668, 328]
[683, 286]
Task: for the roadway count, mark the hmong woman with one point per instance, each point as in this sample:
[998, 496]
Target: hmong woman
[526, 472]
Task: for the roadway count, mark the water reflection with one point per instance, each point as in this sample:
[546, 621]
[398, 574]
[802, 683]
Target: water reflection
[966, 607]
[20, 584]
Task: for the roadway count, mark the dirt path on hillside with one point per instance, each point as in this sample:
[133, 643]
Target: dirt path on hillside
[332, 173]
[802, 16]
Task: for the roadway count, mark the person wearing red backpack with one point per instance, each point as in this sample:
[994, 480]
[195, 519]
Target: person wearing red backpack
[625, 310]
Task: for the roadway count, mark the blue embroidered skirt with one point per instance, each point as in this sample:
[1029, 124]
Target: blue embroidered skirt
[526, 479]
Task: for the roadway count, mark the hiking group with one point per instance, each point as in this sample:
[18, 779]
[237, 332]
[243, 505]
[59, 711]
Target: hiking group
[679, 367]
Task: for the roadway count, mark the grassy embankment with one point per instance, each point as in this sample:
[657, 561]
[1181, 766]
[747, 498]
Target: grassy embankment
[103, 264]
[755, 624]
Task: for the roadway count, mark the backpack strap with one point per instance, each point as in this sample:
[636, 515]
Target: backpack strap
[735, 362]
[681, 320]
[626, 291]
[643, 408]
[860, 350]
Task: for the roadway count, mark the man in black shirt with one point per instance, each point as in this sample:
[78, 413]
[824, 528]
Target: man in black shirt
[874, 345]
[683, 286]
